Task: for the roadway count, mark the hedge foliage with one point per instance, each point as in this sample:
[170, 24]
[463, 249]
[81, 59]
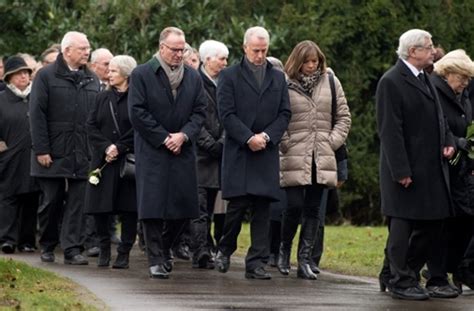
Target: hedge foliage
[358, 37]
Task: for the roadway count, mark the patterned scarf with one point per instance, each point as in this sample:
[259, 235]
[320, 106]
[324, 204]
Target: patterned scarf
[18, 92]
[308, 83]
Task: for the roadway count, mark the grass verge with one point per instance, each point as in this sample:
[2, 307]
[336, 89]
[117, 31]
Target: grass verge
[347, 249]
[26, 288]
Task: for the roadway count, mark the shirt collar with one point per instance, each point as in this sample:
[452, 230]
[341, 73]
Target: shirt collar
[412, 68]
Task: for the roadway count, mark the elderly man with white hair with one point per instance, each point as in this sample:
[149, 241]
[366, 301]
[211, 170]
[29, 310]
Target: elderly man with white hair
[100, 59]
[415, 145]
[209, 153]
[254, 109]
[60, 101]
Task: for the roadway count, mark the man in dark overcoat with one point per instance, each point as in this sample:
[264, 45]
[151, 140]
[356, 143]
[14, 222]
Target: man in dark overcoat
[414, 147]
[253, 106]
[61, 98]
[167, 108]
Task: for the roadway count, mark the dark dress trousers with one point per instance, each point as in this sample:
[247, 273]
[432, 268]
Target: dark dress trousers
[60, 102]
[251, 180]
[413, 133]
[18, 190]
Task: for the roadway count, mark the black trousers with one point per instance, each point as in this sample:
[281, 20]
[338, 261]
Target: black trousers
[259, 208]
[158, 241]
[18, 218]
[57, 204]
[201, 240]
[128, 230]
[410, 243]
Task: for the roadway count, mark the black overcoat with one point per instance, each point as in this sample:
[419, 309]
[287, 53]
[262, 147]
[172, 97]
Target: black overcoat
[15, 132]
[413, 133]
[211, 140]
[59, 105]
[113, 194]
[166, 183]
[245, 110]
[459, 116]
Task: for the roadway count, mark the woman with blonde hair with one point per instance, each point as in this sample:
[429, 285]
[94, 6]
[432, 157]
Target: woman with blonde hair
[307, 151]
[452, 75]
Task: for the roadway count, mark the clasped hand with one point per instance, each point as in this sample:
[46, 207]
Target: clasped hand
[257, 142]
[111, 153]
[174, 142]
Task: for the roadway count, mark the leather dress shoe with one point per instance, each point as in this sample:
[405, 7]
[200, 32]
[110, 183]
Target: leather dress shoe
[444, 291]
[304, 272]
[182, 252]
[203, 261]
[76, 260]
[168, 265]
[158, 272]
[258, 274]
[410, 293]
[93, 251]
[314, 267]
[26, 248]
[8, 248]
[121, 262]
[47, 257]
[222, 262]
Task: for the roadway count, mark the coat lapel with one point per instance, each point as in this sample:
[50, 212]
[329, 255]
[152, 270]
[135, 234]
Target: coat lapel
[411, 79]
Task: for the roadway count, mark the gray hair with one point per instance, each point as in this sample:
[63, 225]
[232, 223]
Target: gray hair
[125, 64]
[411, 38]
[98, 53]
[258, 32]
[277, 64]
[69, 38]
[212, 49]
[169, 30]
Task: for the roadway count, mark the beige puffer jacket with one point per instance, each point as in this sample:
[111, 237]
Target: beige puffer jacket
[310, 132]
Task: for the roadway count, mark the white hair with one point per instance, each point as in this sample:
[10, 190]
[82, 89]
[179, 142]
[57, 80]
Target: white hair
[125, 64]
[211, 49]
[411, 38]
[100, 52]
[258, 32]
[69, 38]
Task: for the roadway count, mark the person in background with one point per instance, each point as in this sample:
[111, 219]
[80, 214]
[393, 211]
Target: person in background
[253, 107]
[209, 154]
[191, 57]
[18, 190]
[50, 54]
[307, 152]
[100, 59]
[2, 71]
[111, 138]
[60, 159]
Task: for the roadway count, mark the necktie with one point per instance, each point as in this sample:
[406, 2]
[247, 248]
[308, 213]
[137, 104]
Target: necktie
[421, 78]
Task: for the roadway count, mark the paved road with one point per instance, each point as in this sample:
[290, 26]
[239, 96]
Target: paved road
[210, 290]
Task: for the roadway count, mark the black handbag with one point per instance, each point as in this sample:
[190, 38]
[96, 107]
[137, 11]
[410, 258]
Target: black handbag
[127, 167]
[341, 153]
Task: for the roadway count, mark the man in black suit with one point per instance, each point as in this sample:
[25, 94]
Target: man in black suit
[253, 106]
[414, 147]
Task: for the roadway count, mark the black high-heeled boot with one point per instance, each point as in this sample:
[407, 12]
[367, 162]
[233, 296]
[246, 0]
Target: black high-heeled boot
[104, 257]
[289, 225]
[309, 227]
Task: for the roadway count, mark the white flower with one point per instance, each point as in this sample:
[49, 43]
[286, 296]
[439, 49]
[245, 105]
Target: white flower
[94, 180]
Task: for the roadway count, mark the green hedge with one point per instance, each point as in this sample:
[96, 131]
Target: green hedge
[358, 37]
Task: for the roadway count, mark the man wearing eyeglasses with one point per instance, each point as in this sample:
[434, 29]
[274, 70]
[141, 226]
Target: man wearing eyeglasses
[60, 100]
[415, 145]
[100, 59]
[167, 108]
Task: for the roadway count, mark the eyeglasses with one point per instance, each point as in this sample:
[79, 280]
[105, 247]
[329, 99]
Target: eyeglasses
[462, 78]
[173, 50]
[427, 48]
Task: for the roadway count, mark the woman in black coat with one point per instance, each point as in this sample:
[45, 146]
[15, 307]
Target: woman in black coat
[18, 191]
[453, 73]
[112, 194]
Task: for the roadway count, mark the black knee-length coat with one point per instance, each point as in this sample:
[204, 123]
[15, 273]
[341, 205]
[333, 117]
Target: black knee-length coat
[413, 133]
[113, 194]
[245, 110]
[166, 183]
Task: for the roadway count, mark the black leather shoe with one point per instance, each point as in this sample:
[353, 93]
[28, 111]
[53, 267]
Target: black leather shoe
[158, 272]
[258, 274]
[47, 257]
[182, 252]
[304, 272]
[93, 252]
[122, 261]
[76, 260]
[26, 248]
[8, 248]
[444, 291]
[222, 262]
[314, 267]
[410, 293]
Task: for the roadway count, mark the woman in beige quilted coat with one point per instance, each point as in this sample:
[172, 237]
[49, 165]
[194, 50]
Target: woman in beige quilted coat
[307, 160]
